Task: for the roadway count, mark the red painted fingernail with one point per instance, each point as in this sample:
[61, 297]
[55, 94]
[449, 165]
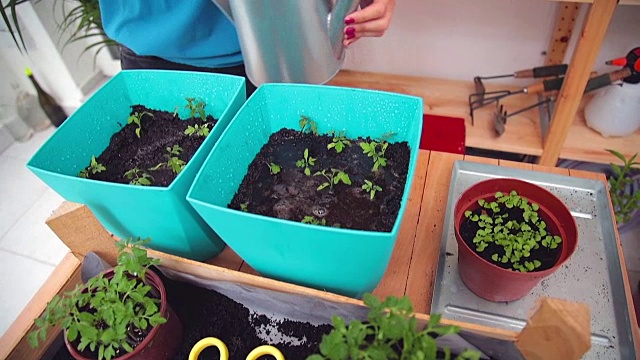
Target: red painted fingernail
[350, 36]
[349, 20]
[350, 31]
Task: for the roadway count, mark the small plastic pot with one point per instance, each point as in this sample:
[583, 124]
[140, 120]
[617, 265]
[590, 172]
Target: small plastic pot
[492, 282]
[162, 342]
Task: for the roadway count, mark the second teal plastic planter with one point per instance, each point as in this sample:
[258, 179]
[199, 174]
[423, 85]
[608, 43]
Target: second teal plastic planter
[343, 261]
[161, 213]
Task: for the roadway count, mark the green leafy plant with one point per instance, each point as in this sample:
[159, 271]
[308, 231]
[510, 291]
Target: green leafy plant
[339, 141]
[624, 202]
[94, 168]
[333, 178]
[273, 168]
[313, 221]
[138, 177]
[244, 207]
[197, 130]
[104, 313]
[307, 125]
[196, 107]
[136, 118]
[306, 162]
[391, 332]
[174, 161]
[371, 149]
[371, 188]
[516, 238]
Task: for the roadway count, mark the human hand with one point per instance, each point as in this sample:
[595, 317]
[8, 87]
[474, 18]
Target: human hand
[372, 21]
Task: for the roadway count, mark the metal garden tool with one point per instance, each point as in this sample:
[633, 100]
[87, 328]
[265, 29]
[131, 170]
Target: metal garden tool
[480, 99]
[600, 81]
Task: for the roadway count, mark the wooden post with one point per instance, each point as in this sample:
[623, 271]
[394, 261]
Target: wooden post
[565, 22]
[557, 330]
[584, 56]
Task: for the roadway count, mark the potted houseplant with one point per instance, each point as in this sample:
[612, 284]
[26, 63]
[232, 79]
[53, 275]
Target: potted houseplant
[120, 314]
[390, 332]
[624, 190]
[138, 143]
[510, 234]
[311, 148]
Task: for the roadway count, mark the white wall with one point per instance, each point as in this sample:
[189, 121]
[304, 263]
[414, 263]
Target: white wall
[464, 38]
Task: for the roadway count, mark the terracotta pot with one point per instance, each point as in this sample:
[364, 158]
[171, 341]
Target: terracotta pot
[492, 282]
[162, 342]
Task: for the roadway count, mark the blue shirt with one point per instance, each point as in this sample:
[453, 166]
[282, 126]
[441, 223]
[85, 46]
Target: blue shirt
[193, 32]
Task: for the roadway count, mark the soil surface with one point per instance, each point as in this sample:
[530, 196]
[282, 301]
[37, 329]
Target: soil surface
[292, 195]
[126, 151]
[547, 257]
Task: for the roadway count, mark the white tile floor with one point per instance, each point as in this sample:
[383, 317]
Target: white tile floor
[29, 250]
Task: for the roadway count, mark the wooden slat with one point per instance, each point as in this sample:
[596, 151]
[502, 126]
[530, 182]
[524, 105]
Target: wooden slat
[565, 21]
[576, 79]
[515, 164]
[551, 169]
[426, 248]
[623, 264]
[481, 160]
[14, 344]
[394, 281]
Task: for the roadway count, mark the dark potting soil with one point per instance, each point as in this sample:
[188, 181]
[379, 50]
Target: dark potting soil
[204, 313]
[126, 151]
[292, 195]
[547, 257]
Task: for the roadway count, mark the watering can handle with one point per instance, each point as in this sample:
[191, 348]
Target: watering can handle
[224, 352]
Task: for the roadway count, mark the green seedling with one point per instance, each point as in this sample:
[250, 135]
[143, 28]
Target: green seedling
[339, 141]
[137, 119]
[244, 207]
[371, 188]
[196, 107]
[197, 130]
[307, 125]
[371, 149]
[390, 331]
[306, 162]
[624, 202]
[273, 168]
[94, 168]
[386, 136]
[138, 177]
[333, 178]
[313, 221]
[173, 162]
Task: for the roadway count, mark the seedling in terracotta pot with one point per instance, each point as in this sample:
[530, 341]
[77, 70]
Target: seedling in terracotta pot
[197, 130]
[339, 141]
[390, 332]
[138, 177]
[95, 167]
[333, 178]
[371, 188]
[306, 162]
[137, 119]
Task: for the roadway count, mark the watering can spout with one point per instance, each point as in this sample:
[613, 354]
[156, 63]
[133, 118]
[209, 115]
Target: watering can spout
[290, 41]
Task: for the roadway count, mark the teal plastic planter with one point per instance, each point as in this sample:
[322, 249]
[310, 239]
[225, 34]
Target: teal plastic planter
[343, 261]
[161, 213]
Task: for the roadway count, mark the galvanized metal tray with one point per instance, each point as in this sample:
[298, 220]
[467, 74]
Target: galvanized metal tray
[593, 275]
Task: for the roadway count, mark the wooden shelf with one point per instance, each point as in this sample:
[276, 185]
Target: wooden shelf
[522, 135]
[622, 2]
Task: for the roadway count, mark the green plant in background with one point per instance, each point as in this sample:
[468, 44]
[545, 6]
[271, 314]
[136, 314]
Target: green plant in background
[517, 238]
[624, 203]
[197, 130]
[307, 125]
[94, 168]
[137, 119]
[370, 148]
[196, 107]
[103, 313]
[313, 221]
[306, 162]
[333, 178]
[371, 188]
[273, 168]
[138, 177]
[339, 141]
[390, 333]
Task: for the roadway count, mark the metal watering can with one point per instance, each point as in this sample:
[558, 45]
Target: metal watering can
[292, 41]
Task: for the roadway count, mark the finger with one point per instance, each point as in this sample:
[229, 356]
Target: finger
[371, 12]
[378, 25]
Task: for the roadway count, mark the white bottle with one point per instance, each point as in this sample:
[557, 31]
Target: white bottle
[614, 110]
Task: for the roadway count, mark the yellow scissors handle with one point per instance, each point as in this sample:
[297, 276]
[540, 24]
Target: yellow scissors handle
[224, 352]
